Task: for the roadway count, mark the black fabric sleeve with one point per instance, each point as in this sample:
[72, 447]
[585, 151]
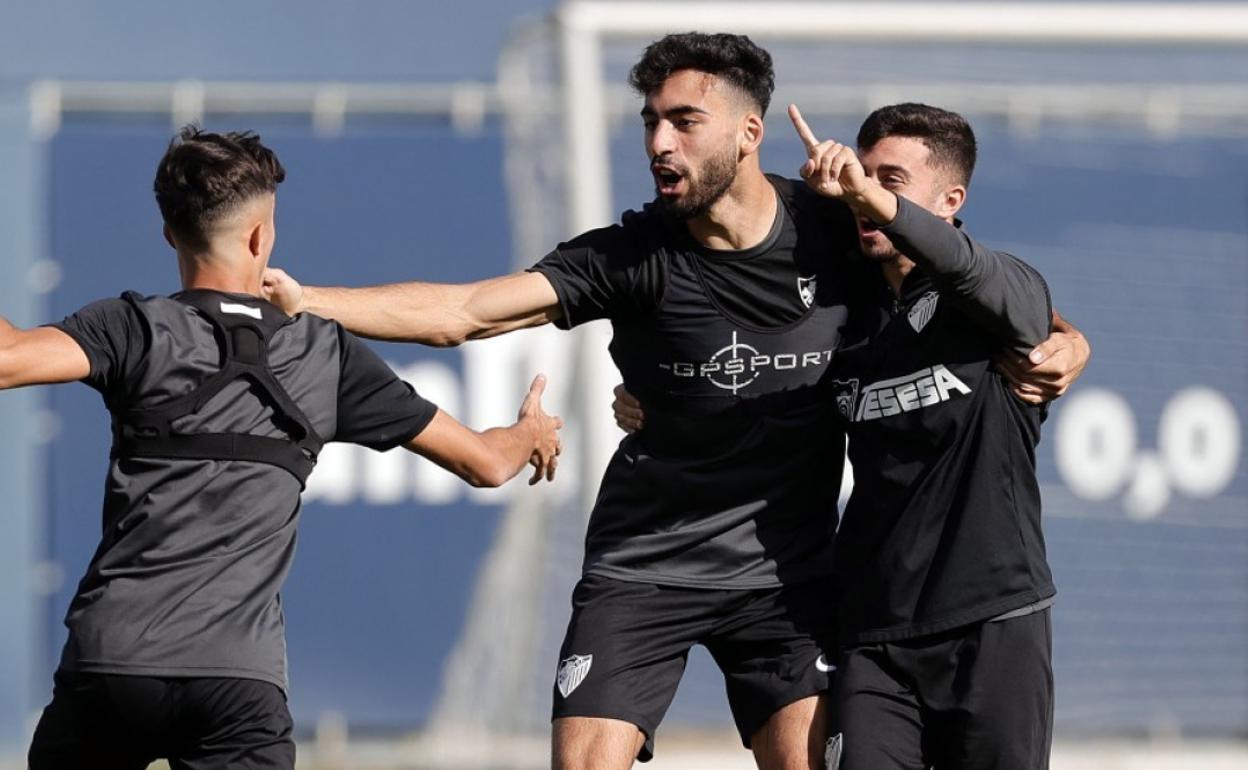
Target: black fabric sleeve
[375, 408]
[605, 273]
[113, 336]
[1008, 297]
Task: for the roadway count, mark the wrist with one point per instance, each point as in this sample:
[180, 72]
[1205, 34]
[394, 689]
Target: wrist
[529, 431]
[875, 203]
[306, 301]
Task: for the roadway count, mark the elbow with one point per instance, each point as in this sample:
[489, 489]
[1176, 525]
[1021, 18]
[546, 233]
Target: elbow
[445, 340]
[454, 337]
[489, 476]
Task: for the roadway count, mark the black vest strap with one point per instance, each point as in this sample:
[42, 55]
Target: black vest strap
[243, 331]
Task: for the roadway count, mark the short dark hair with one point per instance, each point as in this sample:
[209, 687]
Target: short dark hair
[946, 134]
[735, 58]
[205, 176]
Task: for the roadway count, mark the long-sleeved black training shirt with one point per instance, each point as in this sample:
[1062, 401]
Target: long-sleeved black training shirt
[943, 526]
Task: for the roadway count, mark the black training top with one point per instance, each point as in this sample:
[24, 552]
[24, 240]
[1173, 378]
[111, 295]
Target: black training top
[185, 580]
[733, 481]
[943, 526]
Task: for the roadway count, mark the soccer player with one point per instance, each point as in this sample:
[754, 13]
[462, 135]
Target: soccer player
[944, 589]
[943, 585]
[713, 526]
[220, 403]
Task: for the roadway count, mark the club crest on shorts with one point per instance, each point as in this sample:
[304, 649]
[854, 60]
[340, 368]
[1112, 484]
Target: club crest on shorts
[832, 751]
[806, 289]
[923, 311]
[846, 394]
[572, 671]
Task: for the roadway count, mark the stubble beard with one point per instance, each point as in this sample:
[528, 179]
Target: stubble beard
[716, 176]
[882, 253]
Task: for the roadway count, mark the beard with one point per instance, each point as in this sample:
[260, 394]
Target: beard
[880, 250]
[714, 179]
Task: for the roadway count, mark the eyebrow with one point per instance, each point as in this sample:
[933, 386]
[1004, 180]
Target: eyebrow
[683, 109]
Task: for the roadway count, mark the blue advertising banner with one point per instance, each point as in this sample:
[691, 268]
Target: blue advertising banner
[1144, 242]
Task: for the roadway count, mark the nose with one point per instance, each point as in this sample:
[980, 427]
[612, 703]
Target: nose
[661, 140]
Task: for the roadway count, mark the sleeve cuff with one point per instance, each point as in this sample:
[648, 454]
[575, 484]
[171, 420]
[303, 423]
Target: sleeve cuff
[94, 357]
[565, 321]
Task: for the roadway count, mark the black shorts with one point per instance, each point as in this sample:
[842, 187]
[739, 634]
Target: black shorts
[116, 722]
[627, 644]
[979, 696]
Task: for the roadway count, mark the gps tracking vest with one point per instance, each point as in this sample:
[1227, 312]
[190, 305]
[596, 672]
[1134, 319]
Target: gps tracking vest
[243, 332]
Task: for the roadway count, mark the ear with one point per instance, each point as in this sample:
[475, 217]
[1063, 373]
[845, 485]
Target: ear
[169, 237]
[950, 201]
[255, 240]
[751, 134]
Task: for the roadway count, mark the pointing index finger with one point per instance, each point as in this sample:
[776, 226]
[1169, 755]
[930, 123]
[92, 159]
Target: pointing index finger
[803, 130]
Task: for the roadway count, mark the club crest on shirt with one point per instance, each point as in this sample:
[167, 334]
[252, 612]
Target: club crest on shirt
[572, 671]
[846, 394]
[923, 311]
[806, 289]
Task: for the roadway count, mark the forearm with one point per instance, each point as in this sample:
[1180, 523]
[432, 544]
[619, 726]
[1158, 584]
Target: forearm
[8, 359]
[509, 450]
[1006, 296]
[483, 459]
[437, 313]
[428, 313]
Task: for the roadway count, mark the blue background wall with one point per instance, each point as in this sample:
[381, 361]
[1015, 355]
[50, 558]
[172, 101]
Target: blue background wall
[1143, 241]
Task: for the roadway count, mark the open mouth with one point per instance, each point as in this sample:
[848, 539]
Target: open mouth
[666, 179]
[867, 227]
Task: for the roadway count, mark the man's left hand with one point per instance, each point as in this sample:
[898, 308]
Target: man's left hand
[831, 168]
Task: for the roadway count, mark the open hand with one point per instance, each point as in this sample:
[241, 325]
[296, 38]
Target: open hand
[1049, 369]
[545, 457]
[628, 413]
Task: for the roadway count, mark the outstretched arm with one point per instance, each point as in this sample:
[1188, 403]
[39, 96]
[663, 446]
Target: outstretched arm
[492, 457]
[39, 356]
[430, 313]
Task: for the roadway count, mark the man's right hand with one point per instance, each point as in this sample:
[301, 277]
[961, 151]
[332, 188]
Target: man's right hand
[545, 456]
[278, 287]
[628, 413]
[492, 457]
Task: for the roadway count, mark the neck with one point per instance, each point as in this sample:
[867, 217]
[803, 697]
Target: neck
[218, 273]
[742, 217]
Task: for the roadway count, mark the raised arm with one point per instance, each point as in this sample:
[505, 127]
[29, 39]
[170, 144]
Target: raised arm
[1006, 296]
[39, 356]
[492, 457]
[431, 313]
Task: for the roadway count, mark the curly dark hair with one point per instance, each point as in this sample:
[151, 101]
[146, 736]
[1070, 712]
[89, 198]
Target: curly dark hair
[946, 134]
[205, 176]
[735, 58]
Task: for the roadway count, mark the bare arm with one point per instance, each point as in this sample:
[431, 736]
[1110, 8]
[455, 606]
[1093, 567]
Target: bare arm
[492, 457]
[39, 356]
[431, 313]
